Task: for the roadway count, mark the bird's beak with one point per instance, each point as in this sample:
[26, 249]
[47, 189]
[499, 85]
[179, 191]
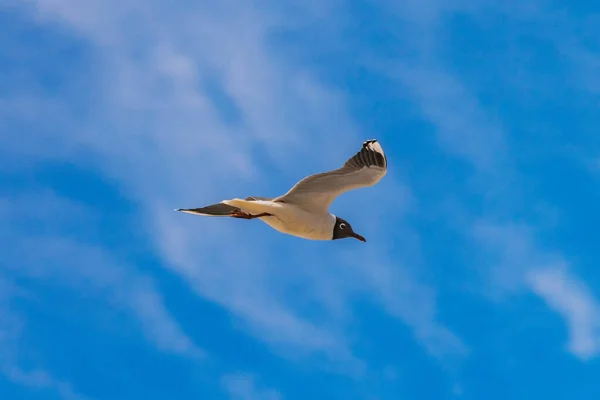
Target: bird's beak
[357, 236]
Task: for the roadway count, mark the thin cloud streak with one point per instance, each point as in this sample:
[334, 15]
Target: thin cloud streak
[63, 261]
[11, 326]
[462, 127]
[38, 380]
[517, 264]
[244, 387]
[571, 298]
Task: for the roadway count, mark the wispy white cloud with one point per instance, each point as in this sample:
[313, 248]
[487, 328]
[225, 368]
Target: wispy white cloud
[515, 263]
[62, 260]
[398, 291]
[572, 299]
[509, 253]
[37, 380]
[463, 128]
[11, 326]
[245, 387]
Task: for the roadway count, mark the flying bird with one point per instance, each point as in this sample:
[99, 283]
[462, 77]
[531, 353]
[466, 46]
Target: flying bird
[304, 210]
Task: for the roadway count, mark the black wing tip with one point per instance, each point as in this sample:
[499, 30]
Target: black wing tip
[380, 158]
[371, 155]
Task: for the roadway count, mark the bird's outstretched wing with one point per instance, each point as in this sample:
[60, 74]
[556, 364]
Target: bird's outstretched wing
[316, 192]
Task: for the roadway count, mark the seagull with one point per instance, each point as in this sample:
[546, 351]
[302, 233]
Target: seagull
[304, 210]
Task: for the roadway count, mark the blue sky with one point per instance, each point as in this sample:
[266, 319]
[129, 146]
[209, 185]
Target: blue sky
[480, 276]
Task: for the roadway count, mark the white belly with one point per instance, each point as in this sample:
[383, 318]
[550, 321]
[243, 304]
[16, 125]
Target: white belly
[297, 222]
[288, 218]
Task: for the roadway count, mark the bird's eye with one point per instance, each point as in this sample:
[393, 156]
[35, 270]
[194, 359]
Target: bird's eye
[342, 226]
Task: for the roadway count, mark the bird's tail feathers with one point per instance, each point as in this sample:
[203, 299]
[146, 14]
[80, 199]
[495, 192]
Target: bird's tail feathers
[214, 210]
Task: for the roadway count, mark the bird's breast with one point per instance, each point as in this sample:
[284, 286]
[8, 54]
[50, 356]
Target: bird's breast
[297, 222]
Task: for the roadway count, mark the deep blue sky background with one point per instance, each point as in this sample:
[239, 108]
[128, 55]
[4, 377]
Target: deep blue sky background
[480, 276]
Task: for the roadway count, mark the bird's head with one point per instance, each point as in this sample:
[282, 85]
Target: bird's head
[342, 229]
